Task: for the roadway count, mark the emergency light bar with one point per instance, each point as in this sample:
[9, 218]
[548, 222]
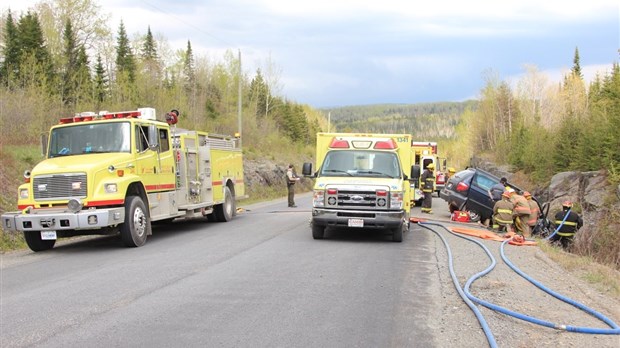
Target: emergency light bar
[379, 144]
[143, 113]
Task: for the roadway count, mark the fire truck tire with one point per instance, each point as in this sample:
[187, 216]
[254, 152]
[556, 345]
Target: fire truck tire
[318, 232]
[224, 212]
[397, 234]
[137, 225]
[35, 243]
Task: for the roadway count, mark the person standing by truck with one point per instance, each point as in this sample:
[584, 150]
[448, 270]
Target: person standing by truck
[291, 179]
[427, 181]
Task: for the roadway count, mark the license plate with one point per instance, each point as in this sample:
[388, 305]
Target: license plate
[356, 223]
[48, 235]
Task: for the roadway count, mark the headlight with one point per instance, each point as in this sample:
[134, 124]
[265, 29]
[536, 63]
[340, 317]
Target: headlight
[23, 194]
[318, 198]
[110, 188]
[396, 200]
[75, 205]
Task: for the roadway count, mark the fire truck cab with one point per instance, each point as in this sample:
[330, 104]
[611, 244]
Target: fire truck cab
[106, 173]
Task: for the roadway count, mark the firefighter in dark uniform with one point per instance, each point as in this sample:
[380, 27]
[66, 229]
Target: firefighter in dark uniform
[573, 222]
[427, 181]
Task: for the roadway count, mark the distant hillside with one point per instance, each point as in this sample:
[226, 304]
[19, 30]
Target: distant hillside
[430, 121]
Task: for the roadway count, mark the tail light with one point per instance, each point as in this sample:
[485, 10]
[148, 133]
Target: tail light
[462, 187]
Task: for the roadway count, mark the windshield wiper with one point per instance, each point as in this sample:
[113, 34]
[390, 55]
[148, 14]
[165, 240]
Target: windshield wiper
[375, 173]
[337, 171]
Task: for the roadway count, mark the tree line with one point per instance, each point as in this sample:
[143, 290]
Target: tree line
[544, 128]
[61, 58]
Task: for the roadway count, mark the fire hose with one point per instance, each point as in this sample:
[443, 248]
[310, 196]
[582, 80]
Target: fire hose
[615, 329]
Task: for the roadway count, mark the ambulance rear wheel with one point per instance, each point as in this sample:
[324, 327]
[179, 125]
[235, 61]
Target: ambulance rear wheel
[224, 212]
[35, 243]
[137, 225]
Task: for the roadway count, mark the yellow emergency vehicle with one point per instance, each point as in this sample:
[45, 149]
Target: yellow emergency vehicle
[105, 173]
[423, 153]
[361, 182]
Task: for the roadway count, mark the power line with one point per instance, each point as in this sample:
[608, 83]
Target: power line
[188, 24]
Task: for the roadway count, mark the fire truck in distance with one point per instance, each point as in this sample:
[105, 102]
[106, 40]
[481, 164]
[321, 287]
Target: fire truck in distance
[361, 182]
[118, 172]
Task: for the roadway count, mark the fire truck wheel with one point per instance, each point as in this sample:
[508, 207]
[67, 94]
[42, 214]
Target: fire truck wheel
[397, 234]
[318, 232]
[224, 212]
[35, 243]
[136, 225]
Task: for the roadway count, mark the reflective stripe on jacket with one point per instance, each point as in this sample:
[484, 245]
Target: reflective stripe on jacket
[502, 212]
[428, 181]
[534, 212]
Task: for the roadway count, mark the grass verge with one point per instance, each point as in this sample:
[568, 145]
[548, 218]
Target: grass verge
[604, 278]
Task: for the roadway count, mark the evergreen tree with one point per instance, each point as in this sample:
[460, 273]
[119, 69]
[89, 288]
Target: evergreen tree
[33, 50]
[149, 49]
[259, 92]
[576, 70]
[11, 51]
[125, 63]
[70, 58]
[83, 79]
[189, 69]
[100, 83]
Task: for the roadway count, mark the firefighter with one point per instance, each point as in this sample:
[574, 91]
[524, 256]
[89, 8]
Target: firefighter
[502, 214]
[534, 211]
[450, 174]
[427, 181]
[572, 223]
[521, 213]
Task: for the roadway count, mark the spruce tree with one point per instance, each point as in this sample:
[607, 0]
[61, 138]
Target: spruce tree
[11, 51]
[70, 64]
[576, 66]
[100, 83]
[189, 69]
[125, 63]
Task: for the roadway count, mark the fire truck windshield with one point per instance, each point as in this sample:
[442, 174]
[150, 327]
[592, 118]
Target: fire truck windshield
[90, 138]
[361, 163]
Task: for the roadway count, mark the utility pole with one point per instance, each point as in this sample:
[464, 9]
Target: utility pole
[239, 101]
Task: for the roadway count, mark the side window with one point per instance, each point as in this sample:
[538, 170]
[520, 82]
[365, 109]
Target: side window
[142, 143]
[484, 182]
[164, 145]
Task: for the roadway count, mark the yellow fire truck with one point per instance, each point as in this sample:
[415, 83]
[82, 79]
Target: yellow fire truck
[361, 182]
[423, 153]
[107, 173]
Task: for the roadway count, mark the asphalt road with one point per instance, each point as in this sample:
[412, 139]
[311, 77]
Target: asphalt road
[257, 281]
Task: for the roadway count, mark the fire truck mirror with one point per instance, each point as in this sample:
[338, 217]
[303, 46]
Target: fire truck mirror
[153, 137]
[44, 138]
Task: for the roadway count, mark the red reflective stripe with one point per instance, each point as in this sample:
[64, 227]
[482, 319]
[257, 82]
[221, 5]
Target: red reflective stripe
[102, 203]
[159, 187]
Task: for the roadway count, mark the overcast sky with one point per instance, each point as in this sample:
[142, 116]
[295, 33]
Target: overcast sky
[356, 52]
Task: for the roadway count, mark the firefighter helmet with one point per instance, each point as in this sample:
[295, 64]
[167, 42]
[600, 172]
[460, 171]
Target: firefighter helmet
[431, 166]
[451, 170]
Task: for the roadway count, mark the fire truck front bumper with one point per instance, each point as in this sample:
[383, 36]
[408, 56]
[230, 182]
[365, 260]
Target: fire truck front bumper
[62, 220]
[358, 218]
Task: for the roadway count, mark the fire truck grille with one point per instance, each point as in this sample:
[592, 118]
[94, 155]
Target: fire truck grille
[59, 186]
